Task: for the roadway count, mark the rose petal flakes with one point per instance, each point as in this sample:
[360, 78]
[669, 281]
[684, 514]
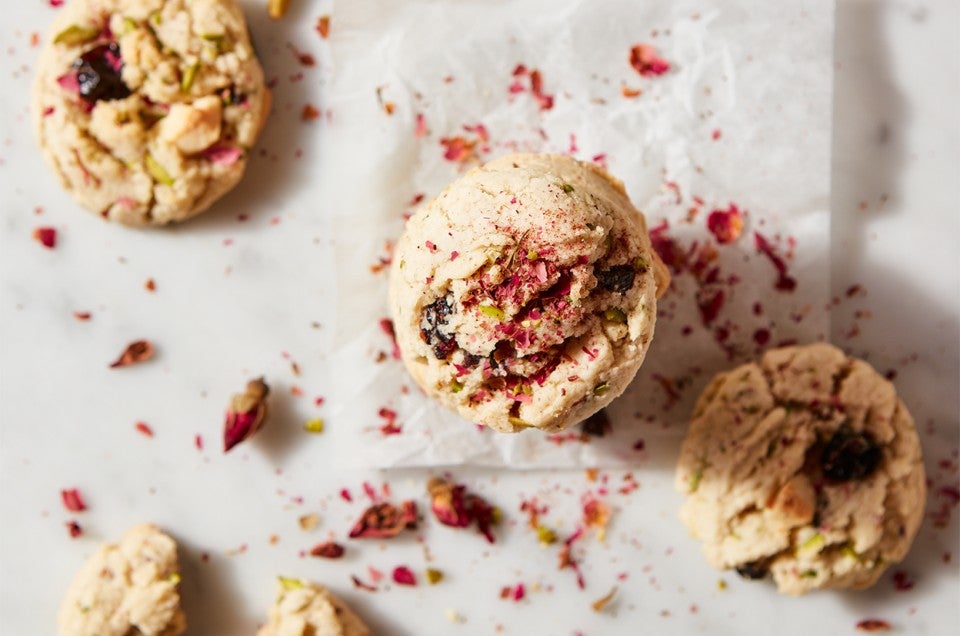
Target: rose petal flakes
[73, 500]
[46, 236]
[327, 550]
[453, 506]
[384, 520]
[137, 351]
[402, 575]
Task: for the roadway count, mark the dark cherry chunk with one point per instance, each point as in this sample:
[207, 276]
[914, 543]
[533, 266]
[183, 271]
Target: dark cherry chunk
[618, 278]
[850, 455]
[434, 316]
[597, 425]
[98, 74]
[754, 570]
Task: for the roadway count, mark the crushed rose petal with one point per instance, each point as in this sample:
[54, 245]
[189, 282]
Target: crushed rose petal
[361, 585]
[453, 506]
[73, 500]
[644, 59]
[402, 575]
[386, 326]
[309, 113]
[726, 225]
[74, 529]
[246, 414]
[384, 520]
[144, 428]
[46, 236]
[136, 351]
[327, 550]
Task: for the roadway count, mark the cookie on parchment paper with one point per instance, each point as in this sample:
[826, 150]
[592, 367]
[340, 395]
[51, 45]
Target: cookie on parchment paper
[806, 467]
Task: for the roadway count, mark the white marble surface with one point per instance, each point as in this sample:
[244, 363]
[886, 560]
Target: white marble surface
[67, 421]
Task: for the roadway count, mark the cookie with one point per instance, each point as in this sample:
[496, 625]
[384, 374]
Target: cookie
[127, 588]
[806, 467]
[146, 109]
[525, 294]
[303, 608]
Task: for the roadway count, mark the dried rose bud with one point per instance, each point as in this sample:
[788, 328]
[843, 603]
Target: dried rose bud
[137, 351]
[246, 414]
[454, 506]
[328, 550]
[384, 520]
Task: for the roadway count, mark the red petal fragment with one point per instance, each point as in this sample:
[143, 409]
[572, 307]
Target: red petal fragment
[421, 129]
[246, 414]
[70, 83]
[82, 315]
[360, 584]
[73, 500]
[74, 529]
[46, 236]
[144, 428]
[644, 59]
[384, 520]
[519, 592]
[873, 625]
[309, 112]
[785, 282]
[453, 506]
[328, 550]
[304, 58]
[386, 326]
[136, 351]
[403, 575]
[726, 225]
[223, 154]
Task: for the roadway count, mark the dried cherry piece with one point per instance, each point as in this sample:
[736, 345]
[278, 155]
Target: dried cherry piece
[434, 316]
[754, 570]
[98, 74]
[850, 455]
[618, 278]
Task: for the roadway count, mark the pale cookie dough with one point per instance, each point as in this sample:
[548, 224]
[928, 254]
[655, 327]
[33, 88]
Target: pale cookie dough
[303, 608]
[805, 466]
[525, 294]
[127, 589]
[147, 109]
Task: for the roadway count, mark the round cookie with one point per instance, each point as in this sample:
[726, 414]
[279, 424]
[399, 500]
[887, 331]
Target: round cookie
[525, 294]
[127, 588]
[146, 109]
[806, 467]
[303, 607]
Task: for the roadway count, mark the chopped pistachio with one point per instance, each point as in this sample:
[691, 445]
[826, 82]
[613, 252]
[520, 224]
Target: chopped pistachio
[640, 264]
[695, 480]
[808, 574]
[567, 188]
[532, 255]
[545, 535]
[156, 170]
[189, 76]
[156, 18]
[813, 543]
[76, 34]
[314, 426]
[496, 515]
[721, 584]
[516, 421]
[174, 578]
[434, 576]
[492, 311]
[848, 551]
[290, 583]
[601, 389]
[615, 315]
[455, 387]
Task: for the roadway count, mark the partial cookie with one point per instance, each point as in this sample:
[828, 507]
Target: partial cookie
[806, 466]
[304, 608]
[525, 294]
[146, 109]
[127, 588]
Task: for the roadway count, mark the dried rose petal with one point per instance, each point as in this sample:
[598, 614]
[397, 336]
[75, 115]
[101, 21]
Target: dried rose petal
[384, 520]
[323, 26]
[361, 585]
[223, 154]
[873, 625]
[46, 236]
[402, 575]
[144, 429]
[386, 326]
[726, 225]
[137, 351]
[328, 550]
[74, 529]
[246, 414]
[644, 59]
[596, 514]
[454, 506]
[73, 500]
[309, 112]
[602, 602]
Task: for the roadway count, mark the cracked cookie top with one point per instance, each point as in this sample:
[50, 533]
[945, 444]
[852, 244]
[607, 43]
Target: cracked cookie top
[806, 467]
[146, 109]
[524, 295]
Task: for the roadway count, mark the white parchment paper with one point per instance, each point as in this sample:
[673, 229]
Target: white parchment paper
[742, 117]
